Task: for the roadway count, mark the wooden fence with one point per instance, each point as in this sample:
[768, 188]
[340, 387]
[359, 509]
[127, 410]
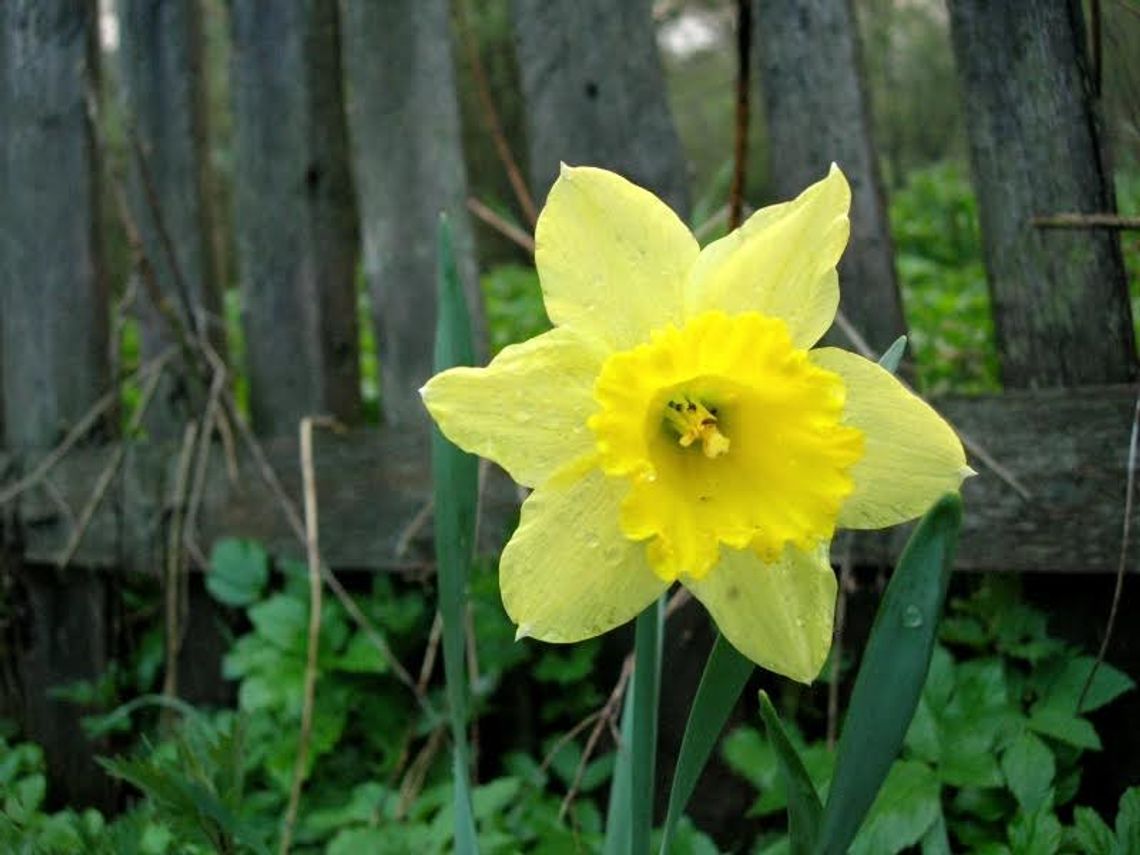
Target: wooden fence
[347, 136]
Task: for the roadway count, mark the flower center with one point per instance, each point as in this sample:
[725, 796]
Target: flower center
[729, 436]
[692, 420]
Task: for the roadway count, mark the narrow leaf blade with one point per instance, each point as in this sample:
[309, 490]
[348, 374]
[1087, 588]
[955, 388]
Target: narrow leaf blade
[646, 690]
[892, 674]
[618, 827]
[804, 808]
[893, 356]
[455, 484]
[723, 680]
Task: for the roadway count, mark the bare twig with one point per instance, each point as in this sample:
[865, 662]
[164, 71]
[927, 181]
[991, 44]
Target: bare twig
[1086, 221]
[1097, 47]
[413, 528]
[173, 565]
[103, 483]
[313, 556]
[289, 509]
[1125, 536]
[605, 714]
[428, 665]
[491, 116]
[740, 147]
[508, 230]
[80, 430]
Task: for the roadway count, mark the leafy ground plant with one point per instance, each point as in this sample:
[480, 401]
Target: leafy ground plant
[992, 761]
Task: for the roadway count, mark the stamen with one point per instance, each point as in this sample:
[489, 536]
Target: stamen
[692, 421]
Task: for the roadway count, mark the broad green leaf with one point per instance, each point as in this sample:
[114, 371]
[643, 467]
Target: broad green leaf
[1035, 833]
[922, 737]
[893, 355]
[804, 808]
[1062, 684]
[1128, 821]
[905, 809]
[361, 656]
[455, 479]
[239, 572]
[646, 691]
[1064, 727]
[281, 620]
[1029, 769]
[936, 841]
[723, 680]
[1091, 834]
[891, 678]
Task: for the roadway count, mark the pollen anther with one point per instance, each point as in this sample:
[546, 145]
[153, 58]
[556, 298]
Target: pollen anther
[692, 421]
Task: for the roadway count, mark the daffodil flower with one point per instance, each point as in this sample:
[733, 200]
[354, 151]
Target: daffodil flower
[676, 426]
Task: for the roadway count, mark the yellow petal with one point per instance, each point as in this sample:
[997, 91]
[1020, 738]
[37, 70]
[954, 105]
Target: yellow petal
[611, 256]
[527, 410]
[779, 615]
[911, 455]
[781, 262]
[568, 573]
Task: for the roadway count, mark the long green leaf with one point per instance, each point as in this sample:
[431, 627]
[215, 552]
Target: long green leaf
[893, 355]
[804, 807]
[723, 680]
[455, 483]
[618, 828]
[891, 677]
[646, 690]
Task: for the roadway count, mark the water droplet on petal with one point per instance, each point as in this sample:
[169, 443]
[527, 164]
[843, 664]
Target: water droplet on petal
[912, 617]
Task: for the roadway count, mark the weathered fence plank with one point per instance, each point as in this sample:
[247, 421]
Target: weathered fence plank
[1069, 448]
[404, 119]
[160, 52]
[295, 217]
[817, 112]
[595, 94]
[1060, 298]
[53, 331]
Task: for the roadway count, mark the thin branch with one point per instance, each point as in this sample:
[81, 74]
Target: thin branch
[103, 483]
[80, 430]
[491, 115]
[1125, 535]
[1097, 47]
[508, 230]
[173, 565]
[1086, 221]
[740, 145]
[313, 556]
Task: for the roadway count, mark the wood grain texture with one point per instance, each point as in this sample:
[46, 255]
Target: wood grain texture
[1060, 298]
[811, 83]
[1069, 447]
[160, 55]
[595, 94]
[53, 331]
[407, 150]
[295, 216]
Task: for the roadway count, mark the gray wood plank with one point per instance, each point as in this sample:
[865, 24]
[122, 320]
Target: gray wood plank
[294, 213]
[817, 112]
[160, 55]
[595, 94]
[1060, 297]
[53, 335]
[407, 149]
[1069, 447]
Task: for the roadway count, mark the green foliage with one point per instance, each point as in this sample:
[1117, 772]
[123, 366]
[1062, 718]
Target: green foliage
[934, 222]
[513, 302]
[995, 747]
